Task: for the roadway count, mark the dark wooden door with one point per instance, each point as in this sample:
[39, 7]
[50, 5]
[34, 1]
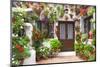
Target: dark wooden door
[66, 35]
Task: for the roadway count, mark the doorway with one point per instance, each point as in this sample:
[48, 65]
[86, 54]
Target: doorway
[66, 35]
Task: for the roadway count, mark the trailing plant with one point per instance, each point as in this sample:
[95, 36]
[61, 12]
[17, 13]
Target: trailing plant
[84, 37]
[90, 11]
[17, 19]
[20, 49]
[37, 38]
[31, 16]
[55, 12]
[78, 37]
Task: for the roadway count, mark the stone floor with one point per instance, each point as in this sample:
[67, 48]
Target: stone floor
[62, 57]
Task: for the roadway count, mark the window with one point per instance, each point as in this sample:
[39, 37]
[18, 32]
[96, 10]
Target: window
[51, 30]
[62, 31]
[44, 29]
[66, 30]
[47, 29]
[70, 31]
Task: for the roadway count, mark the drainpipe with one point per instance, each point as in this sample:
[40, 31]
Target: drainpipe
[28, 31]
[81, 24]
[94, 19]
[55, 29]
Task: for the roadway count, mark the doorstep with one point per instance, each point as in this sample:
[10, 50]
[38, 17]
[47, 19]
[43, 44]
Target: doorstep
[67, 53]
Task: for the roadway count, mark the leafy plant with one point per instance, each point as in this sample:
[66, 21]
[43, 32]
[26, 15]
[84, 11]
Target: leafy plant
[86, 53]
[20, 49]
[17, 20]
[77, 29]
[77, 46]
[37, 38]
[78, 38]
[55, 46]
[55, 43]
[88, 47]
[90, 11]
[55, 12]
[84, 37]
[85, 50]
[49, 48]
[91, 58]
[42, 52]
[94, 42]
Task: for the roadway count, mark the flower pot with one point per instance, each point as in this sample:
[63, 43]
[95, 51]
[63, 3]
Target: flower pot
[21, 61]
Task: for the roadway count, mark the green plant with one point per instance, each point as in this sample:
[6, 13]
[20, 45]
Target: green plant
[20, 49]
[92, 58]
[55, 46]
[17, 20]
[77, 48]
[88, 47]
[49, 48]
[84, 37]
[90, 11]
[31, 16]
[55, 12]
[77, 29]
[94, 32]
[42, 52]
[55, 43]
[37, 44]
[37, 38]
[78, 37]
[94, 42]
[86, 53]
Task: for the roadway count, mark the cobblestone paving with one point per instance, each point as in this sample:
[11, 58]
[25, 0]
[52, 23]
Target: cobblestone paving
[60, 59]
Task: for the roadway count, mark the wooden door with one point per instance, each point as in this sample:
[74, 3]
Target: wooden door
[66, 35]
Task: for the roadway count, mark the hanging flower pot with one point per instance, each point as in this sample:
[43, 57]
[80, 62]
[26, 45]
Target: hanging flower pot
[21, 61]
[90, 35]
[83, 11]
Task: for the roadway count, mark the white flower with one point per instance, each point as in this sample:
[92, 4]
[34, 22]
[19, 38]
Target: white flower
[21, 27]
[13, 35]
[16, 35]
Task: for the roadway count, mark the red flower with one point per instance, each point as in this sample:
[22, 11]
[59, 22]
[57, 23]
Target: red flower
[20, 48]
[83, 11]
[17, 46]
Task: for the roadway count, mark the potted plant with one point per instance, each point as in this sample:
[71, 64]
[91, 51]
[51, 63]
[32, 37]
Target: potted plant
[20, 49]
[55, 46]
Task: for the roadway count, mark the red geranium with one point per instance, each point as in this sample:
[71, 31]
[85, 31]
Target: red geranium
[20, 48]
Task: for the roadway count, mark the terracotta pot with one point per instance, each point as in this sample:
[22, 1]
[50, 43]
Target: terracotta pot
[21, 61]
